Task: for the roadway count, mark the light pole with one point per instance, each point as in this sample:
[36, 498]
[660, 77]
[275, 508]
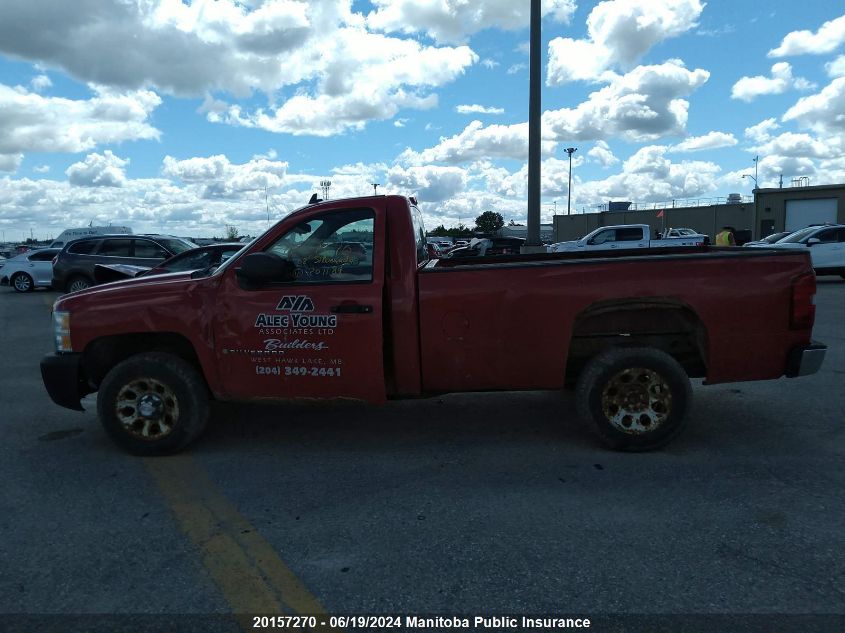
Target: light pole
[756, 160]
[754, 178]
[570, 151]
[376, 185]
[324, 185]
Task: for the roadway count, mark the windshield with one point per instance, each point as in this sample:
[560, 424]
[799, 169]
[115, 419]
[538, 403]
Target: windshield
[176, 246]
[799, 235]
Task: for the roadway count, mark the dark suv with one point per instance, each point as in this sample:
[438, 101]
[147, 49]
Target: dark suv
[73, 267]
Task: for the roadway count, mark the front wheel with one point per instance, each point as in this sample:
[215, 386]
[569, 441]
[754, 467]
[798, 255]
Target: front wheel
[637, 397]
[22, 282]
[153, 404]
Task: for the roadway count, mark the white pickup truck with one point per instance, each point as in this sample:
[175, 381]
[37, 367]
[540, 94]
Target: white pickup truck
[625, 236]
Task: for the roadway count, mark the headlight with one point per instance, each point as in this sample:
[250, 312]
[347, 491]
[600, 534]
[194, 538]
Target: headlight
[61, 331]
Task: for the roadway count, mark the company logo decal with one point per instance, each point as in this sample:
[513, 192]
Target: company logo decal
[296, 303]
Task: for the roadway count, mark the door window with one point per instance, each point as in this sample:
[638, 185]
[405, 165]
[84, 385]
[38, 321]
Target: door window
[115, 248]
[604, 236]
[335, 247]
[830, 235]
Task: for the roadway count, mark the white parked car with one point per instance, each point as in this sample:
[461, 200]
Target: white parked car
[826, 245]
[624, 236]
[30, 270]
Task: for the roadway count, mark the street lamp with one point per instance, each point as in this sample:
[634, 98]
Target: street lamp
[375, 187]
[754, 178]
[570, 151]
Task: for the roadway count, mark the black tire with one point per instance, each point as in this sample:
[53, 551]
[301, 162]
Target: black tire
[170, 389]
[22, 282]
[652, 388]
[77, 283]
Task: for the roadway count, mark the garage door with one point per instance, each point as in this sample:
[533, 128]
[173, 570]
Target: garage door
[801, 213]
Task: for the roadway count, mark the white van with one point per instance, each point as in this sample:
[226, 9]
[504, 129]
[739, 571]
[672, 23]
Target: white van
[74, 234]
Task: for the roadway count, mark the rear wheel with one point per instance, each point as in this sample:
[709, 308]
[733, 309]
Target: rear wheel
[153, 404]
[78, 282]
[22, 282]
[636, 397]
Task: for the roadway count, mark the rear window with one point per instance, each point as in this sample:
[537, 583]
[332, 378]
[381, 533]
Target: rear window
[85, 247]
[419, 235]
[115, 248]
[42, 256]
[629, 235]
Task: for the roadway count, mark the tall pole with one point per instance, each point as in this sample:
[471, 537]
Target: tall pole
[534, 125]
[756, 160]
[570, 151]
[375, 188]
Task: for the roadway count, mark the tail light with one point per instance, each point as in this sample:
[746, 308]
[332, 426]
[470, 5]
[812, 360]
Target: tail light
[803, 312]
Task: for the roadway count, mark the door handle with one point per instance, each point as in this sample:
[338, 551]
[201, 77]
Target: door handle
[351, 308]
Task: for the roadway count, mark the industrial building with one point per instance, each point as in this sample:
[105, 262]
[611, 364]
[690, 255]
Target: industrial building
[768, 211]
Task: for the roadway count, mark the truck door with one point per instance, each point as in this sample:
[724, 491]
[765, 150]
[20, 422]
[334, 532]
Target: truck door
[631, 237]
[317, 334]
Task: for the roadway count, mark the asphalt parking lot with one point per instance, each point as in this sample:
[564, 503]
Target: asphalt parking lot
[465, 504]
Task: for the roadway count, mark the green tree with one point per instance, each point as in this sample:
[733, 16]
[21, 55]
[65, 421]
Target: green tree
[231, 232]
[439, 231]
[489, 222]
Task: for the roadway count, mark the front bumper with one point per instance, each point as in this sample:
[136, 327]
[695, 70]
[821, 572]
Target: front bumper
[64, 379]
[805, 360]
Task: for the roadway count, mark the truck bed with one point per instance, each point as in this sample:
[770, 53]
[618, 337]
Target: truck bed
[509, 321]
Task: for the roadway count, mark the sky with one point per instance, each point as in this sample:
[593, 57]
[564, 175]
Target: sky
[185, 117]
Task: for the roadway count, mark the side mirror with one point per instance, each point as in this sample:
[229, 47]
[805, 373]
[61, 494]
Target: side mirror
[813, 240]
[259, 269]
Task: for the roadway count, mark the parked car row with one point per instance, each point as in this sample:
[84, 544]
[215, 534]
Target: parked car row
[96, 259]
[826, 243]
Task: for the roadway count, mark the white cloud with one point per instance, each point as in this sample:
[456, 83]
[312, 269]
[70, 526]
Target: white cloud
[477, 142]
[836, 68]
[711, 140]
[430, 183]
[601, 154]
[10, 162]
[829, 37]
[619, 33]
[364, 77]
[794, 145]
[98, 170]
[747, 88]
[330, 71]
[823, 112]
[40, 82]
[515, 68]
[455, 20]
[644, 104]
[489, 64]
[648, 176]
[34, 123]
[762, 132]
[41, 169]
[478, 109]
[219, 178]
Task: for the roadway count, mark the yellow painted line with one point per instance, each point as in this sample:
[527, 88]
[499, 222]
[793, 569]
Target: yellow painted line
[244, 566]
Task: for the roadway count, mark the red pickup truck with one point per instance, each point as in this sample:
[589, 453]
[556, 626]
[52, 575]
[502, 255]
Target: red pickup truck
[288, 318]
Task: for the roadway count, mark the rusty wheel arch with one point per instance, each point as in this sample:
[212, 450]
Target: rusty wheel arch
[662, 323]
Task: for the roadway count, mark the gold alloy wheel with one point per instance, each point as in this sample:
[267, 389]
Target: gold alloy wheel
[147, 408]
[636, 400]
